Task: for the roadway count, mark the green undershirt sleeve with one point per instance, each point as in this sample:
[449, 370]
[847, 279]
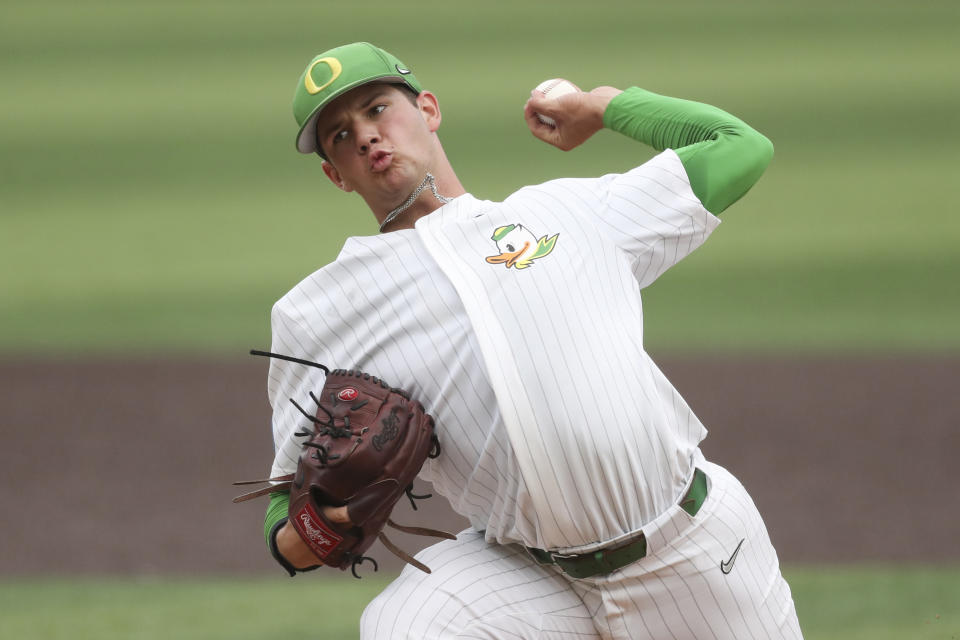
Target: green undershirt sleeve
[276, 511]
[722, 155]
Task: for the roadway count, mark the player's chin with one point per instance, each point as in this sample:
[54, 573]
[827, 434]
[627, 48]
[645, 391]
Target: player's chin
[400, 181]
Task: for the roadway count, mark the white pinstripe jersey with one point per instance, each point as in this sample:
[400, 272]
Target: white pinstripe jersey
[557, 429]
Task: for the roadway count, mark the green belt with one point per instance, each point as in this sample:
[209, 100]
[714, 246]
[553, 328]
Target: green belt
[612, 558]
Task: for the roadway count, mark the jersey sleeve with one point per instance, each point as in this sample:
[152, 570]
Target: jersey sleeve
[650, 213]
[289, 380]
[722, 155]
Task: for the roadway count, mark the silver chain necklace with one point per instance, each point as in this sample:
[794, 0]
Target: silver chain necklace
[413, 197]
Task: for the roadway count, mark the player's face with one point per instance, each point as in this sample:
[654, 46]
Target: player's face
[379, 142]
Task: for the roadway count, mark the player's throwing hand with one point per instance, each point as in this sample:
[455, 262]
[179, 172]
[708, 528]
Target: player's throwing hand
[577, 116]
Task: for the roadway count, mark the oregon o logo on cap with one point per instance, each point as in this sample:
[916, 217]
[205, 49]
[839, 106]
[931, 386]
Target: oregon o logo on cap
[349, 394]
[335, 70]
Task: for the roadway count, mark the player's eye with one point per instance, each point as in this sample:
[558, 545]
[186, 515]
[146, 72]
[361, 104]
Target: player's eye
[510, 247]
[339, 135]
[378, 109]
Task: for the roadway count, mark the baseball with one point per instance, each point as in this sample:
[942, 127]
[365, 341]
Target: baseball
[554, 88]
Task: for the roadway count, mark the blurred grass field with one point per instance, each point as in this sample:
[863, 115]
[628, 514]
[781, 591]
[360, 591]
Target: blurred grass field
[845, 603]
[152, 199]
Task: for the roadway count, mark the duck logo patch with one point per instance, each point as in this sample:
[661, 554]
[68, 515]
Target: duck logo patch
[519, 247]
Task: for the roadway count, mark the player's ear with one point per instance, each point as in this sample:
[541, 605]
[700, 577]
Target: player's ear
[331, 172]
[429, 109]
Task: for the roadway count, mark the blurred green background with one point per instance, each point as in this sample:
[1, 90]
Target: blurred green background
[151, 202]
[152, 198]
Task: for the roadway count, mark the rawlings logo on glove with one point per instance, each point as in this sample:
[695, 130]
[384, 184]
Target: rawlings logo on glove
[315, 534]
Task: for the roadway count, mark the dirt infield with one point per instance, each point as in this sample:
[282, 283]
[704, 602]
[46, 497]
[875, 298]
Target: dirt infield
[848, 460]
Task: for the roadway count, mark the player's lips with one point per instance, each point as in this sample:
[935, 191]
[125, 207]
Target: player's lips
[380, 160]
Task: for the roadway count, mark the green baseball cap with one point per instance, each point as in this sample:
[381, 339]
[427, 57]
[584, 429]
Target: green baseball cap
[333, 73]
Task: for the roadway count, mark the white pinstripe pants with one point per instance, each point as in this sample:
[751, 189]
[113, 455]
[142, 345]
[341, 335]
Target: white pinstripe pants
[480, 590]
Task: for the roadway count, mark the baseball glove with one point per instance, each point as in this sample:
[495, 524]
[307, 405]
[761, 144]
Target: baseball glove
[365, 445]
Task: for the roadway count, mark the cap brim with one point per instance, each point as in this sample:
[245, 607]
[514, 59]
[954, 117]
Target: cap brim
[307, 136]
[307, 143]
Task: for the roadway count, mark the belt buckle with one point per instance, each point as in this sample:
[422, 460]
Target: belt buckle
[572, 563]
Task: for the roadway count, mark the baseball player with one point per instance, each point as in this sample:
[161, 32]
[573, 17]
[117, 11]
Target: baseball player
[519, 326]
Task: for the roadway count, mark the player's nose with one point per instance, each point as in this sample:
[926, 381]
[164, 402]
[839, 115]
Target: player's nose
[367, 137]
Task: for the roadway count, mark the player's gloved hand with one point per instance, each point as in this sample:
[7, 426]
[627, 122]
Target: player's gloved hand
[577, 115]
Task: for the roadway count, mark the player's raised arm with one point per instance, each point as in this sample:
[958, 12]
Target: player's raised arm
[722, 155]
